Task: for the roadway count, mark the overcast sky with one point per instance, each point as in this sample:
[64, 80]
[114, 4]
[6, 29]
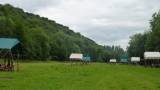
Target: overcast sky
[108, 22]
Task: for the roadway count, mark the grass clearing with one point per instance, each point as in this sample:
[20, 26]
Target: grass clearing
[95, 76]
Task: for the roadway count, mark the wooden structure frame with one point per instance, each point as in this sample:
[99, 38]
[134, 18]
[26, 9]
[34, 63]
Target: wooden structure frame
[152, 59]
[124, 59]
[86, 59]
[76, 57]
[113, 60]
[6, 45]
[135, 60]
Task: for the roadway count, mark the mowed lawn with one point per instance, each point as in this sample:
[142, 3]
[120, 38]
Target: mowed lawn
[95, 76]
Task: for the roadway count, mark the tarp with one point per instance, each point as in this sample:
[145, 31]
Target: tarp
[76, 56]
[151, 55]
[8, 43]
[113, 60]
[87, 58]
[135, 59]
[124, 59]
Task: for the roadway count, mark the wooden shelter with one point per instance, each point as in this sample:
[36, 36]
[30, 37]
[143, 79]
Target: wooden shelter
[6, 46]
[124, 59]
[152, 58]
[76, 57]
[135, 60]
[112, 60]
[86, 59]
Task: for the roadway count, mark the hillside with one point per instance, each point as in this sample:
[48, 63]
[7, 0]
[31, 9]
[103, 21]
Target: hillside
[43, 39]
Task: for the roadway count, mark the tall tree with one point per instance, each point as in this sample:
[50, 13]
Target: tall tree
[153, 40]
[136, 46]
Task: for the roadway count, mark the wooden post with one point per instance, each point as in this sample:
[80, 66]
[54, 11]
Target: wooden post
[17, 63]
[145, 62]
[12, 65]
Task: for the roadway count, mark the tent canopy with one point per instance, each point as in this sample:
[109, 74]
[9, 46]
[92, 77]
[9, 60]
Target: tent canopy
[76, 56]
[135, 59]
[87, 58]
[8, 43]
[113, 60]
[152, 55]
[124, 59]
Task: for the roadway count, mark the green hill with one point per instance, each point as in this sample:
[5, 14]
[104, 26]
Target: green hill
[43, 39]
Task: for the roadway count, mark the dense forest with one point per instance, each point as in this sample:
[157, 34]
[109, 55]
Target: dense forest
[147, 41]
[44, 39]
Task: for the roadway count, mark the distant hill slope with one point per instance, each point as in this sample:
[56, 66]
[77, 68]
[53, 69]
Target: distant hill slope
[42, 38]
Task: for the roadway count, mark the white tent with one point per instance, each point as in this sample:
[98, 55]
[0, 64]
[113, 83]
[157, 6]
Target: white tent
[113, 60]
[76, 56]
[151, 55]
[135, 59]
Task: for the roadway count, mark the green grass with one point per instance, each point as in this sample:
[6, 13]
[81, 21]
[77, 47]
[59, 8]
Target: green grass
[64, 76]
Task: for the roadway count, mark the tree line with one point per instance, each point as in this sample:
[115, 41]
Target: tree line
[147, 41]
[44, 39]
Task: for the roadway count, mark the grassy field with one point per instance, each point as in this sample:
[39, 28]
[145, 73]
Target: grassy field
[64, 76]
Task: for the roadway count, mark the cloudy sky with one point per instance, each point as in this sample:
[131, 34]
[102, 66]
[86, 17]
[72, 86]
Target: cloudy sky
[108, 22]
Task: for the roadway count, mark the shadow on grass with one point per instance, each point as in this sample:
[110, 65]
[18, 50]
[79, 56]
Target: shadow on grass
[6, 78]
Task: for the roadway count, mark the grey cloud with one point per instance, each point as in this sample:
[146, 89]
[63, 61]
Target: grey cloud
[32, 5]
[108, 35]
[111, 34]
[105, 21]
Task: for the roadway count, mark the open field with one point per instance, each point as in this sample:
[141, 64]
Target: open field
[64, 76]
